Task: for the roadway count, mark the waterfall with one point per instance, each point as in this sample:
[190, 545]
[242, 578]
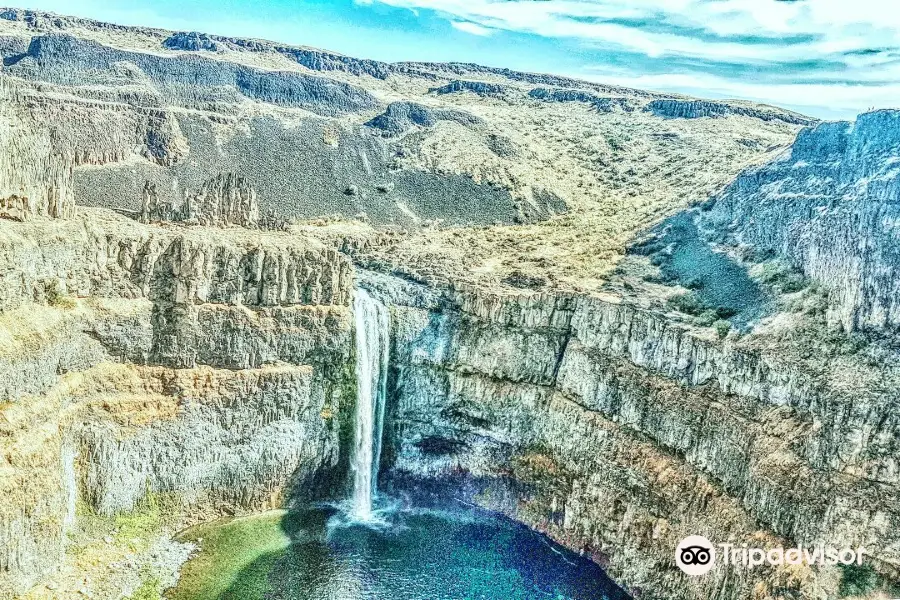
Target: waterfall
[372, 331]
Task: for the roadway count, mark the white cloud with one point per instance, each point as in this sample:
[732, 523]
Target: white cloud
[828, 47]
[472, 28]
[839, 25]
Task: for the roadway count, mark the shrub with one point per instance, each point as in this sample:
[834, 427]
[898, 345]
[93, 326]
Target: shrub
[694, 283]
[615, 144]
[55, 296]
[722, 328]
[725, 312]
[657, 259]
[857, 580]
[782, 277]
[688, 303]
[706, 318]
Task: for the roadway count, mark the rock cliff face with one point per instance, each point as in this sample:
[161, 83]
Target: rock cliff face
[35, 171]
[619, 433]
[695, 109]
[213, 368]
[830, 207]
[190, 80]
[602, 103]
[227, 199]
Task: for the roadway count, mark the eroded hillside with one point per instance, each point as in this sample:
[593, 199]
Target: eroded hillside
[318, 134]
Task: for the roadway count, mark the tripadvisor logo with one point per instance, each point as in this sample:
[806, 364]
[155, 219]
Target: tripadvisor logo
[696, 555]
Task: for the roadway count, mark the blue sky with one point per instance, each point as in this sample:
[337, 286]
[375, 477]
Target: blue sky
[828, 58]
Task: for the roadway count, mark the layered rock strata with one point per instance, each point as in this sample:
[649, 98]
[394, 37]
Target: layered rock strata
[829, 206]
[212, 367]
[619, 433]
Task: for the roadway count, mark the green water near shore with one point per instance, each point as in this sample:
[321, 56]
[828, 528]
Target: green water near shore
[236, 556]
[410, 554]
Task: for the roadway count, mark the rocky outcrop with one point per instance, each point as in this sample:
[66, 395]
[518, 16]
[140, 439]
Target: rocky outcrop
[313, 59]
[400, 117]
[227, 199]
[192, 41]
[829, 207]
[456, 70]
[601, 103]
[694, 109]
[480, 88]
[164, 142]
[170, 265]
[212, 367]
[249, 438]
[38, 487]
[35, 171]
[15, 207]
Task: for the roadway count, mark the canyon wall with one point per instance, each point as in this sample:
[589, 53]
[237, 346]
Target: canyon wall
[189, 358]
[216, 366]
[212, 367]
[619, 433]
[829, 205]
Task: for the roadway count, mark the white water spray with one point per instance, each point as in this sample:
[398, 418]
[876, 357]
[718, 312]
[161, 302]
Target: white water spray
[372, 331]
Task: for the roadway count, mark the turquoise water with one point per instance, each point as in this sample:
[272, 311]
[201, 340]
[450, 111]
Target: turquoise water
[417, 555]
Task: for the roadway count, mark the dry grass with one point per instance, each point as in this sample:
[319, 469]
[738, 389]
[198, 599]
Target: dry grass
[618, 173]
[28, 329]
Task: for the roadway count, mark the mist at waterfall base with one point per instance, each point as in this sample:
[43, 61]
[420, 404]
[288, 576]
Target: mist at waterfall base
[371, 547]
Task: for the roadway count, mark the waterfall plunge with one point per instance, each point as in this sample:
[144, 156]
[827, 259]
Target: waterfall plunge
[372, 331]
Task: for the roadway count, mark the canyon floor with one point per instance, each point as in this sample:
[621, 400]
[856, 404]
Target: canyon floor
[619, 317]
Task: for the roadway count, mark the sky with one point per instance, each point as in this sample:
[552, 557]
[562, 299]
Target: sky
[827, 58]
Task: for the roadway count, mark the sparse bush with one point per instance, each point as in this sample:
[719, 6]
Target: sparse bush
[853, 343]
[759, 255]
[615, 144]
[694, 283]
[782, 277]
[688, 303]
[857, 580]
[706, 318]
[722, 328]
[521, 280]
[725, 312]
[816, 305]
[55, 296]
[793, 283]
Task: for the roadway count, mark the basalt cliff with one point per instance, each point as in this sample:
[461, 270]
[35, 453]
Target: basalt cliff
[616, 316]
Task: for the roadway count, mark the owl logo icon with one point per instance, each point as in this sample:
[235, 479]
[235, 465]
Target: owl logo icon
[695, 555]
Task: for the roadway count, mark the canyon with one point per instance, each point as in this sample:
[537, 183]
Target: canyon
[618, 317]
